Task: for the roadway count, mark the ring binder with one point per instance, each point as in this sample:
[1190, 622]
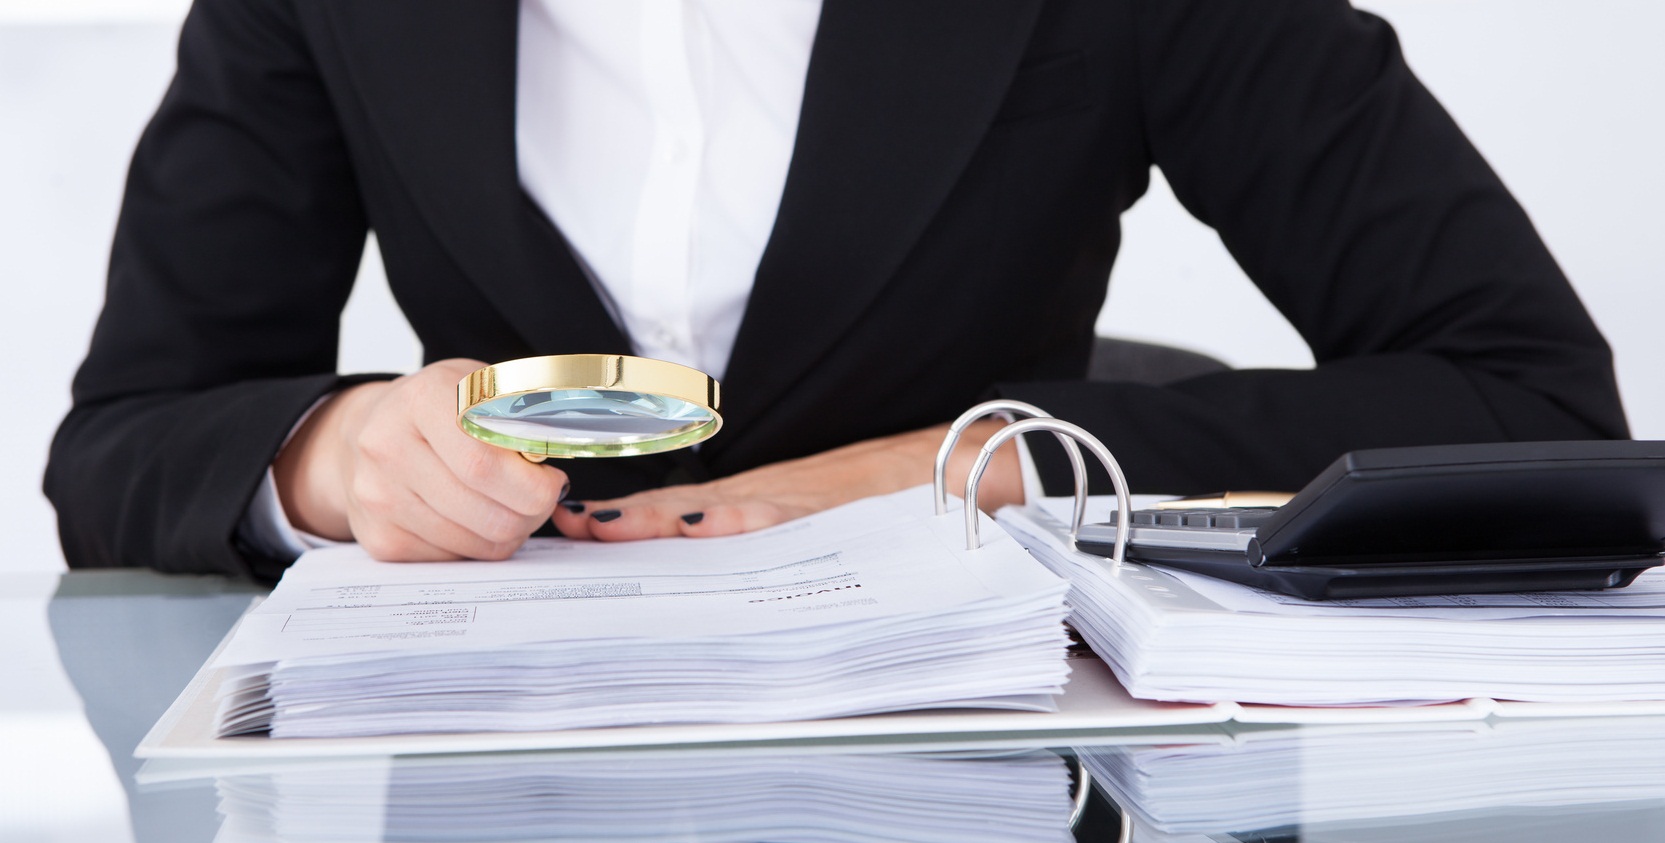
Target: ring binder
[1081, 436]
[1006, 408]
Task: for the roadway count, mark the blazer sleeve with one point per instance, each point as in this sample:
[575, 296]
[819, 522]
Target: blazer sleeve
[1434, 312]
[235, 250]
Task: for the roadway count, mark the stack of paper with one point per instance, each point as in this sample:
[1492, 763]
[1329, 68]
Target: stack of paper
[875, 606]
[719, 798]
[1429, 775]
[1176, 636]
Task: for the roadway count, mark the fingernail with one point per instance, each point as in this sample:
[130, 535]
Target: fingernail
[574, 507]
[565, 487]
[693, 518]
[605, 515]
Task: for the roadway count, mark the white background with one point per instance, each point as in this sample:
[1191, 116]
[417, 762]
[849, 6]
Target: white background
[1563, 96]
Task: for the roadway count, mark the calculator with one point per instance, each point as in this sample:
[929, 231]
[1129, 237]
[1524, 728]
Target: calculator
[1446, 519]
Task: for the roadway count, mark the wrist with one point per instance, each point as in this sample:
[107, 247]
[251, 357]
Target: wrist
[312, 472]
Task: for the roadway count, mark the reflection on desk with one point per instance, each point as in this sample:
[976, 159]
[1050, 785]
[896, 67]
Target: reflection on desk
[130, 640]
[705, 796]
[1438, 782]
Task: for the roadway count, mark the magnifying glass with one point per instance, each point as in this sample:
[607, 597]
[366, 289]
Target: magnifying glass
[588, 405]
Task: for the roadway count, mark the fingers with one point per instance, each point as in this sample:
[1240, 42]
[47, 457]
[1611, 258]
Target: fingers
[420, 488]
[498, 474]
[759, 498]
[416, 534]
[730, 519]
[443, 515]
[696, 511]
[645, 516]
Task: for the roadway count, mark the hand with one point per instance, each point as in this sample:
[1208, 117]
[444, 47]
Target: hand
[783, 491]
[386, 465]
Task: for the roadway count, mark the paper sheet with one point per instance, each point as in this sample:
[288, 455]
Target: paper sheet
[1176, 636]
[1643, 598]
[853, 566]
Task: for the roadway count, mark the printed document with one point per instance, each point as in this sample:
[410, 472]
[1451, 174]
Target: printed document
[873, 606]
[1178, 636]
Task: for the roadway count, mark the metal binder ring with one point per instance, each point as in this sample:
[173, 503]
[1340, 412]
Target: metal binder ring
[1083, 792]
[1076, 432]
[1007, 408]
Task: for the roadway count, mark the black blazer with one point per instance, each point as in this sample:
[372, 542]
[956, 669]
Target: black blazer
[947, 227]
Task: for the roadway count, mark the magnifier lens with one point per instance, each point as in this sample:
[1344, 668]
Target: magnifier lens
[588, 422]
[552, 407]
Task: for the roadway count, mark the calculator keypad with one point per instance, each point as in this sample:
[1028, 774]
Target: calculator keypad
[1230, 518]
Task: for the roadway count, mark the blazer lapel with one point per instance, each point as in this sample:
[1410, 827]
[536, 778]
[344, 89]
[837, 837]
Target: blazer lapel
[437, 80]
[897, 99]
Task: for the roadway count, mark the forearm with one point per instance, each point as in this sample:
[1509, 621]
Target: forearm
[1355, 203]
[163, 480]
[308, 471]
[778, 492]
[239, 236]
[1276, 429]
[892, 463]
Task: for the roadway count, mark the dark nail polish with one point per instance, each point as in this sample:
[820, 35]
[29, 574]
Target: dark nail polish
[605, 515]
[565, 488]
[574, 507]
[693, 518]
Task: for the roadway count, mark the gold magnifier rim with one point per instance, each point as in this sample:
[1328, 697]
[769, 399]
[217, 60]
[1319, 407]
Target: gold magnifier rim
[614, 372]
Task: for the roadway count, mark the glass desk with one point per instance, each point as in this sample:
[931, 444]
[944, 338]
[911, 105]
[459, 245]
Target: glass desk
[128, 641]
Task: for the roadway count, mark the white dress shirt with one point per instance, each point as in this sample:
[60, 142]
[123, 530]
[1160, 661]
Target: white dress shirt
[656, 135]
